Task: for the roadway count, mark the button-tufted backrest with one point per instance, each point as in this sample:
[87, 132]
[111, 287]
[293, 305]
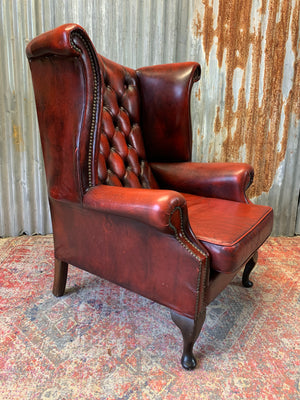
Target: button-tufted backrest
[122, 158]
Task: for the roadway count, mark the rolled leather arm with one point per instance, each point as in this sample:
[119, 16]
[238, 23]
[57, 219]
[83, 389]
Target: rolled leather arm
[219, 180]
[150, 206]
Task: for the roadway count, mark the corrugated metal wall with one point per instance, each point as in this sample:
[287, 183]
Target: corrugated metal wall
[246, 107]
[250, 95]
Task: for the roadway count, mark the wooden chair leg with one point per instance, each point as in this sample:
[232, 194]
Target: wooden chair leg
[60, 278]
[247, 271]
[190, 330]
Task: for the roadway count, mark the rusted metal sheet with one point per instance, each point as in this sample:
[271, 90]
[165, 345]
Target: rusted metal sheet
[250, 55]
[246, 107]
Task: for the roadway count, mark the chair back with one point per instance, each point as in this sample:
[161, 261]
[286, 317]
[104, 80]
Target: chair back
[122, 158]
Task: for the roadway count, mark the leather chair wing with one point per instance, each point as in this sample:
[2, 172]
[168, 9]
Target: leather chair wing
[165, 99]
[127, 204]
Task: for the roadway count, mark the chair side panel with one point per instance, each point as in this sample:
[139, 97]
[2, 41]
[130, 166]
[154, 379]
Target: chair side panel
[130, 254]
[59, 88]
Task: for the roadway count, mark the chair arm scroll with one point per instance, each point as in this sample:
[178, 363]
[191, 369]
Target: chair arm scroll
[56, 42]
[219, 180]
[152, 207]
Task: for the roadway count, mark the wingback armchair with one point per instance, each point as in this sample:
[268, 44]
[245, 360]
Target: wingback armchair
[127, 204]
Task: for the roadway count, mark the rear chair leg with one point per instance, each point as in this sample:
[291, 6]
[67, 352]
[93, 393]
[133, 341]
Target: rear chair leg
[60, 278]
[247, 271]
[190, 330]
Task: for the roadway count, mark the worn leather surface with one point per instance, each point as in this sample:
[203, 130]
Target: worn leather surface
[153, 228]
[152, 207]
[231, 231]
[219, 180]
[55, 42]
[63, 82]
[132, 254]
[165, 110]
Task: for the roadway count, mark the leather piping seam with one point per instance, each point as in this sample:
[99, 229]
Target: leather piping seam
[199, 300]
[95, 101]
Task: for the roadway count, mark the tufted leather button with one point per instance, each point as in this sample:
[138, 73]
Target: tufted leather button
[131, 180]
[136, 140]
[133, 160]
[130, 103]
[120, 144]
[123, 122]
[107, 124]
[102, 170]
[104, 146]
[110, 101]
[112, 179]
[116, 164]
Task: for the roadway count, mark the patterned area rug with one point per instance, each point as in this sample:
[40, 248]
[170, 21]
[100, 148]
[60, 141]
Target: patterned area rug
[102, 342]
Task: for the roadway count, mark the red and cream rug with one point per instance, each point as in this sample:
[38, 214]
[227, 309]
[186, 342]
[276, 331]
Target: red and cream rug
[100, 341]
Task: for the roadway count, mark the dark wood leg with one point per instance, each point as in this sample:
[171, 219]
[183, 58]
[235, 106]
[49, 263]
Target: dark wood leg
[247, 271]
[190, 330]
[60, 278]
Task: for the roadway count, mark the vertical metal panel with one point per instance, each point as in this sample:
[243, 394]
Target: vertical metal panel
[24, 205]
[246, 107]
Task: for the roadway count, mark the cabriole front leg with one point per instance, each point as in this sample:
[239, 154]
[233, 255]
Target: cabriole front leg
[60, 278]
[190, 330]
[247, 271]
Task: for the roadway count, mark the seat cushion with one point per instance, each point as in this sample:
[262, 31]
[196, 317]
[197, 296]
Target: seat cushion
[230, 231]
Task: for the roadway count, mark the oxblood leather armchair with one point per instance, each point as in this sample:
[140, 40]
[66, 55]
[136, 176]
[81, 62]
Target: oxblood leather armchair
[126, 202]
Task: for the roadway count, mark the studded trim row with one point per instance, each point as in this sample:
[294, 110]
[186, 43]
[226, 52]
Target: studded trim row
[96, 96]
[185, 242]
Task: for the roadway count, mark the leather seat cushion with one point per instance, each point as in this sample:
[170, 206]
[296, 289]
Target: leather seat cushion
[229, 230]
